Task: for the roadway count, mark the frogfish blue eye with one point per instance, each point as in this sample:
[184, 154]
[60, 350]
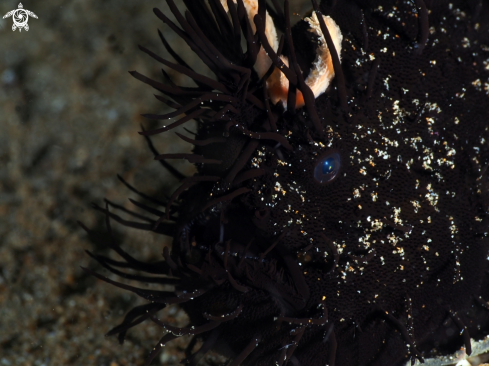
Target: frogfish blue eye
[327, 167]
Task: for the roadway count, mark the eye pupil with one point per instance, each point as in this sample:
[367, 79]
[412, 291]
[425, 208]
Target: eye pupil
[327, 167]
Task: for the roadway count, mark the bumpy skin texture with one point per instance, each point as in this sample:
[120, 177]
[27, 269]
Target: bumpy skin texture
[385, 262]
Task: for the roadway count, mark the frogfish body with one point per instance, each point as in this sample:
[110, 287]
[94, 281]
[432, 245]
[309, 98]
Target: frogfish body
[339, 213]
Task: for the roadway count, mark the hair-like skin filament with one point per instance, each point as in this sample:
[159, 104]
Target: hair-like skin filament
[322, 71]
[263, 62]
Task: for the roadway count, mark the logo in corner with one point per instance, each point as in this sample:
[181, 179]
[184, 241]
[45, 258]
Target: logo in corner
[20, 17]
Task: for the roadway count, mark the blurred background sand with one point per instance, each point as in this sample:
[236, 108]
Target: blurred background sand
[69, 117]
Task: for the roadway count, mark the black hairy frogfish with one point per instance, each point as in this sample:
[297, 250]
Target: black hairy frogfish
[339, 213]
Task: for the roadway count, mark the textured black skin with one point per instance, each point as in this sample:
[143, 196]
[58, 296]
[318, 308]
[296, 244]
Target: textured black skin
[290, 245]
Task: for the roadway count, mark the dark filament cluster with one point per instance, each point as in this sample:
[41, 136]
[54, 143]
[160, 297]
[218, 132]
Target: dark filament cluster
[350, 231]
